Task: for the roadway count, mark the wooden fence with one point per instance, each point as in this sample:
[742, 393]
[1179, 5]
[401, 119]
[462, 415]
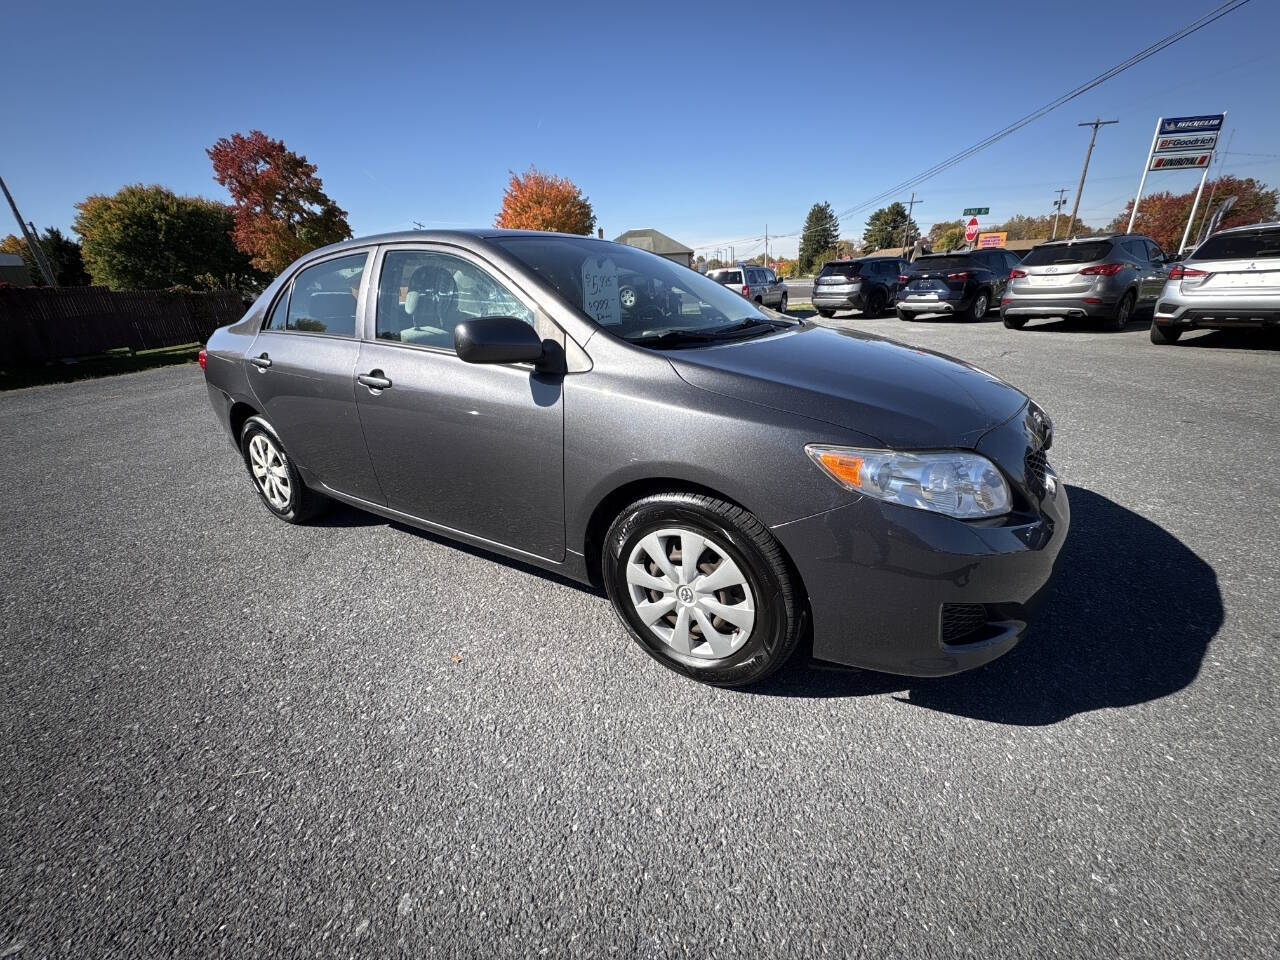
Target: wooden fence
[38, 325]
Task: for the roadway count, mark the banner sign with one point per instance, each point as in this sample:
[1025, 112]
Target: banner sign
[1208, 123]
[1195, 141]
[1194, 160]
[992, 239]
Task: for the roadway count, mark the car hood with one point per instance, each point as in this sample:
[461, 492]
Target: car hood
[905, 397]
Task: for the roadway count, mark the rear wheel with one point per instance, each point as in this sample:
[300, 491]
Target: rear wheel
[875, 304]
[1164, 335]
[703, 587]
[1124, 310]
[782, 304]
[978, 309]
[1015, 323]
[274, 476]
[826, 313]
[902, 314]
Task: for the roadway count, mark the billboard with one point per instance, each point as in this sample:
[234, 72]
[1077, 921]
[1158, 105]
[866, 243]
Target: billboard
[992, 239]
[1193, 160]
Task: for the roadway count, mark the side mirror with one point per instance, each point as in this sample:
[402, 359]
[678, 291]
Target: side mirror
[497, 340]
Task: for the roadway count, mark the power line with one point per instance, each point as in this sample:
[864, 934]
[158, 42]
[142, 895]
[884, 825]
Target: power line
[1181, 34]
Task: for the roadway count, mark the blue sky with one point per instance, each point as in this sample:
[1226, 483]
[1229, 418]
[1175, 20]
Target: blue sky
[707, 122]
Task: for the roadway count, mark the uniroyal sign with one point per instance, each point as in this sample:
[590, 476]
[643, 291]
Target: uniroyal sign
[1181, 161]
[1208, 123]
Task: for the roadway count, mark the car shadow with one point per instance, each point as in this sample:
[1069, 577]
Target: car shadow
[1128, 619]
[1243, 339]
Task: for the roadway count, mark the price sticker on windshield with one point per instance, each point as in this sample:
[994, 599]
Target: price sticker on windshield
[600, 291]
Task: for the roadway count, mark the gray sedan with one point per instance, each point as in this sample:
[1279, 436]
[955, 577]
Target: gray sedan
[738, 483]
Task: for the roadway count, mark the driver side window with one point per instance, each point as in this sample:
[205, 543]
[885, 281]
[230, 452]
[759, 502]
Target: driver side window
[423, 295]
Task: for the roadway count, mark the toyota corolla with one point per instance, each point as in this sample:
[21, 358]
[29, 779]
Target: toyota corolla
[740, 483]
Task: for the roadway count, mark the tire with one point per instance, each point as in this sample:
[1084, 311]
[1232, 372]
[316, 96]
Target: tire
[782, 304]
[1163, 335]
[875, 305]
[978, 309]
[1124, 310]
[1015, 323]
[826, 313]
[902, 314]
[275, 478]
[757, 588]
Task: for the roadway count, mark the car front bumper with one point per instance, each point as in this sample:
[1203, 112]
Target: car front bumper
[913, 592]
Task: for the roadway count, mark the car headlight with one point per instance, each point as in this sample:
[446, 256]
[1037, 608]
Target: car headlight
[960, 484]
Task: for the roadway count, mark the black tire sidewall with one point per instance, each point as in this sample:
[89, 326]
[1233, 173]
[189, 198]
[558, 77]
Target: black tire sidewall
[768, 642]
[252, 427]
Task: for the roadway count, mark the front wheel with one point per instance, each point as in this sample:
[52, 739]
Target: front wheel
[1163, 335]
[782, 304]
[274, 476]
[703, 587]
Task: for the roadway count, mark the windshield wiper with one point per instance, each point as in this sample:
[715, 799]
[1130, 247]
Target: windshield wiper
[672, 338]
[744, 326]
[734, 331]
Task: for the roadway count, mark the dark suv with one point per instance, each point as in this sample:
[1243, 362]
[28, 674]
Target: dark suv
[867, 284]
[965, 283]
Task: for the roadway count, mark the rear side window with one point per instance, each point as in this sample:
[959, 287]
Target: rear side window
[1055, 253]
[1264, 244]
[729, 276]
[324, 297]
[276, 320]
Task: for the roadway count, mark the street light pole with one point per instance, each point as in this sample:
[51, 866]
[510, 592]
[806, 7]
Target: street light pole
[1084, 172]
[1057, 209]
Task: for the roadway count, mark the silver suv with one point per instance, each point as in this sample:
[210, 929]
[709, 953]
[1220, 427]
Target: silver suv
[1232, 280]
[755, 283]
[1102, 278]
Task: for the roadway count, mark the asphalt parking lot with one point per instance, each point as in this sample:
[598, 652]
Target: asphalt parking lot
[225, 736]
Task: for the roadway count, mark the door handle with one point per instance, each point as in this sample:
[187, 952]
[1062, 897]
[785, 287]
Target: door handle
[374, 380]
[262, 361]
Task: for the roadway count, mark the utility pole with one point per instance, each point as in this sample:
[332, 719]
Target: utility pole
[1084, 172]
[906, 227]
[33, 244]
[1057, 209]
[766, 245]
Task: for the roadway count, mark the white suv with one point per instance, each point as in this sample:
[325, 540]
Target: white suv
[755, 283]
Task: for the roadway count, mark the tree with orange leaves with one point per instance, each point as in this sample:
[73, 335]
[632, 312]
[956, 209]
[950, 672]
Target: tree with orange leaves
[543, 201]
[280, 208]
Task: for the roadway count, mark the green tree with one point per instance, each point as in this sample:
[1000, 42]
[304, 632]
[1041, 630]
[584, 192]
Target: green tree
[950, 239]
[150, 238]
[821, 231]
[1163, 216]
[62, 252]
[943, 227]
[885, 228]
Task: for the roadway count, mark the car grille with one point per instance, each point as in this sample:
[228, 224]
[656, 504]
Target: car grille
[962, 622]
[1036, 465]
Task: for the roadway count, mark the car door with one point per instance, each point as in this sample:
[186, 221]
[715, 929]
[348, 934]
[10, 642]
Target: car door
[773, 288]
[1157, 271]
[475, 448]
[302, 368]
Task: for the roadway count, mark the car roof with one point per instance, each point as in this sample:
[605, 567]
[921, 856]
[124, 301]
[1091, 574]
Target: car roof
[1269, 225]
[465, 235]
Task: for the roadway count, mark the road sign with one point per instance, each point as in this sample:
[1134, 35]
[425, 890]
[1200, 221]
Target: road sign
[976, 211]
[992, 239]
[970, 229]
[1194, 160]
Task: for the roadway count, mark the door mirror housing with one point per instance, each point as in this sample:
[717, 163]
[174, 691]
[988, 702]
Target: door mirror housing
[497, 340]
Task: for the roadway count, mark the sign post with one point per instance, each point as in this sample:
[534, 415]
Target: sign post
[1146, 167]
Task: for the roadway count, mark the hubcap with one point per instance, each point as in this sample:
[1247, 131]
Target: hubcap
[980, 308]
[269, 471]
[690, 594]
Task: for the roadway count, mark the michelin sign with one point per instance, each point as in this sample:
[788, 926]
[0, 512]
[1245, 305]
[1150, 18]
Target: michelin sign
[1185, 143]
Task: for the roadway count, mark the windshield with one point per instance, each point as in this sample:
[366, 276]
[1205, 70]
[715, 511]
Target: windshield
[1263, 245]
[1054, 253]
[847, 270]
[632, 293]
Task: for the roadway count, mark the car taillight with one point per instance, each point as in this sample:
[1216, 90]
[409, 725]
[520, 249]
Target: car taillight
[1103, 270]
[202, 358]
[1016, 274]
[903, 279]
[746, 291]
[1178, 272]
[962, 275]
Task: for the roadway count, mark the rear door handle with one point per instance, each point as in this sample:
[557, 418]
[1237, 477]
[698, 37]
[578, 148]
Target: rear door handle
[261, 361]
[374, 380]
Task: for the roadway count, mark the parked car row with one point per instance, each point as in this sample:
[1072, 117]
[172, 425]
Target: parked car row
[1231, 280]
